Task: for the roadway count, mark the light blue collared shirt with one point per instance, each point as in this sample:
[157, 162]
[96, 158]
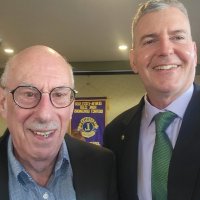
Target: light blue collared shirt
[147, 138]
[23, 187]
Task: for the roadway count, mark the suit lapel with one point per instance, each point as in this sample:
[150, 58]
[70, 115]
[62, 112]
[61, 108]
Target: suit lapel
[78, 172]
[185, 162]
[128, 162]
[90, 181]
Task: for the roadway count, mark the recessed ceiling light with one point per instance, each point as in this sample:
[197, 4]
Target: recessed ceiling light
[122, 47]
[9, 51]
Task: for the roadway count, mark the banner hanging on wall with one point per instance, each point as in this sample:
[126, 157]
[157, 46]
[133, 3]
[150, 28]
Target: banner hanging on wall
[89, 118]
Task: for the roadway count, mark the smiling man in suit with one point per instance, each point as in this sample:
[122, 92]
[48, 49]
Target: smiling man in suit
[36, 162]
[154, 164]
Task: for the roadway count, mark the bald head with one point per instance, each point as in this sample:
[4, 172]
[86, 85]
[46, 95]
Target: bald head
[37, 101]
[38, 57]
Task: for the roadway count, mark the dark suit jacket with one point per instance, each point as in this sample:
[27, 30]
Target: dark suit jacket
[122, 136]
[93, 170]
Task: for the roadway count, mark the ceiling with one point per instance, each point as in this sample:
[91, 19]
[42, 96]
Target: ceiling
[86, 32]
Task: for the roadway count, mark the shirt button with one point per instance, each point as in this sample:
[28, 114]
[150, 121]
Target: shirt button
[45, 195]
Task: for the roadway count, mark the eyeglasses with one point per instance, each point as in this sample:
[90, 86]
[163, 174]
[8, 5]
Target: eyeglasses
[28, 97]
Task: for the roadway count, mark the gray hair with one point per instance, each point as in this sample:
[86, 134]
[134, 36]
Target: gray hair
[155, 5]
[4, 75]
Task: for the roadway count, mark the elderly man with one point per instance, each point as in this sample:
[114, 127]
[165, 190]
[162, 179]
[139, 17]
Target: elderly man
[36, 162]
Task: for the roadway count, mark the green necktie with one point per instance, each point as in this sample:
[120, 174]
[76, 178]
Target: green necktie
[161, 155]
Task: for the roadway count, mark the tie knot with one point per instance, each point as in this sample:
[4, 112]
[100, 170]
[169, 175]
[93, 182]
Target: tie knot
[163, 120]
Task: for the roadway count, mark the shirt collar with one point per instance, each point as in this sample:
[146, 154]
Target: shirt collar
[62, 161]
[20, 173]
[178, 106]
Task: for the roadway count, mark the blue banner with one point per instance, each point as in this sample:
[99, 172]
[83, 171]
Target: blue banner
[89, 119]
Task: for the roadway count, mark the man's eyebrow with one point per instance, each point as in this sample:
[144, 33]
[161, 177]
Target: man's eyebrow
[154, 35]
[178, 31]
[26, 84]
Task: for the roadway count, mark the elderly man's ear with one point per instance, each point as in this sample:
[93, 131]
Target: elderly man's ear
[132, 61]
[3, 110]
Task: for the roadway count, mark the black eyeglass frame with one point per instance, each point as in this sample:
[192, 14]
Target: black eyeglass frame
[74, 92]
